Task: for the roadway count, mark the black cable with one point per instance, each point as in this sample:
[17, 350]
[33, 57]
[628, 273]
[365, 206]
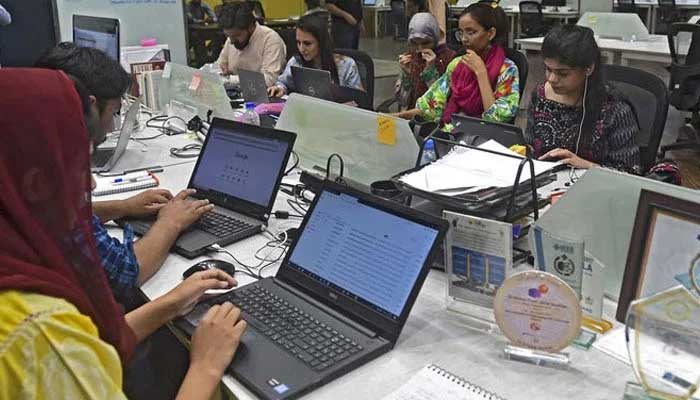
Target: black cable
[163, 128]
[328, 166]
[280, 214]
[296, 163]
[188, 151]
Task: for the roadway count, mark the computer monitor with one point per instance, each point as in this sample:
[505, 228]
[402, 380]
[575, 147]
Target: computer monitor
[97, 32]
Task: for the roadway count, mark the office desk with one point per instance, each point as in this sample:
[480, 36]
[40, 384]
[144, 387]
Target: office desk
[432, 334]
[622, 52]
[513, 14]
[373, 13]
[652, 9]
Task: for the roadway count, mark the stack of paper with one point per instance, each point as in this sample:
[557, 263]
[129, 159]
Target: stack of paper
[466, 170]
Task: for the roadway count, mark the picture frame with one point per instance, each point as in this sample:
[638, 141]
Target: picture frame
[665, 241]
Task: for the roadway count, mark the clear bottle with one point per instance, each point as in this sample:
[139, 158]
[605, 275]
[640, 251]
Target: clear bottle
[249, 116]
[429, 154]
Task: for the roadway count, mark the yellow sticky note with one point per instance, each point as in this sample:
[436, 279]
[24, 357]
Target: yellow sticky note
[386, 130]
[592, 19]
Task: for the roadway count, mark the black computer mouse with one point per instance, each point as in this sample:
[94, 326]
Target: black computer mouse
[209, 264]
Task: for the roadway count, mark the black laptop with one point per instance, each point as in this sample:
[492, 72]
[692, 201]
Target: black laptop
[341, 295]
[254, 88]
[239, 171]
[313, 82]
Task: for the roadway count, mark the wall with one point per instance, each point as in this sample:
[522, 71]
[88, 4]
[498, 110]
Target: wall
[274, 8]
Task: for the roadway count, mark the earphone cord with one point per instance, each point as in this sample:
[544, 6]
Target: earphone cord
[572, 172]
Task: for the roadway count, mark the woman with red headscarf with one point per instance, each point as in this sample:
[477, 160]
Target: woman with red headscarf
[62, 335]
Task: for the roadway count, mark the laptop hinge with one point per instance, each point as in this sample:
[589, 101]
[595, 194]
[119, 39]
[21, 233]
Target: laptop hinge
[327, 309]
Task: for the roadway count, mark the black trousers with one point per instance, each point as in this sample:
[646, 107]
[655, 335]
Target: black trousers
[345, 36]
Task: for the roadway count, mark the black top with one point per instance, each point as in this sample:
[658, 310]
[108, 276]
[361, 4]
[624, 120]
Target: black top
[354, 7]
[614, 142]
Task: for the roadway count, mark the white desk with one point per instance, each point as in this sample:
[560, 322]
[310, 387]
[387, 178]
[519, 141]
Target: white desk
[622, 52]
[652, 9]
[513, 14]
[375, 12]
[431, 335]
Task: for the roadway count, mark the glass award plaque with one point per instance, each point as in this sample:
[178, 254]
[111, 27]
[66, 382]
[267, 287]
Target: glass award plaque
[540, 315]
[479, 257]
[663, 340]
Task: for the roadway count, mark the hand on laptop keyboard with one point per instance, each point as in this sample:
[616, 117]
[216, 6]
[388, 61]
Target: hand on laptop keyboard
[216, 340]
[182, 212]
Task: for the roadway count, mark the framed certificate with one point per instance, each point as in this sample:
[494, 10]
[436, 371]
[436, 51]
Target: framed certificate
[664, 251]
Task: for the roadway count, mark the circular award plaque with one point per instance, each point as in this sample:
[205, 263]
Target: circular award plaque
[537, 310]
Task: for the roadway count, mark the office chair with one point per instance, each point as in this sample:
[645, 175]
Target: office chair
[532, 23]
[289, 37]
[523, 68]
[397, 17]
[366, 67]
[668, 13]
[626, 6]
[684, 85]
[649, 98]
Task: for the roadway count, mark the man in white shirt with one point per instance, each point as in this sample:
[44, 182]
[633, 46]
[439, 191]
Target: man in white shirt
[250, 46]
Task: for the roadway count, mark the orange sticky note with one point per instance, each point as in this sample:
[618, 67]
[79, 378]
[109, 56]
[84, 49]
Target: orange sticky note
[386, 130]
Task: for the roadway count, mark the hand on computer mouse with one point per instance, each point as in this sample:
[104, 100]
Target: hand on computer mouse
[216, 339]
[186, 295]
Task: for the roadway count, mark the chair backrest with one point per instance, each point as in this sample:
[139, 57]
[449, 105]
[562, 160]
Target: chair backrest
[398, 6]
[366, 67]
[531, 18]
[530, 7]
[626, 6]
[523, 68]
[289, 37]
[649, 97]
[684, 83]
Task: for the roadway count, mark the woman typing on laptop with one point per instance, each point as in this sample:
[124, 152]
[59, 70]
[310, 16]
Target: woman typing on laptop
[62, 334]
[315, 50]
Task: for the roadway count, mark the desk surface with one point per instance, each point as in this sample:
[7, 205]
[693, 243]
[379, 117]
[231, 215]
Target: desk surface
[432, 333]
[658, 45]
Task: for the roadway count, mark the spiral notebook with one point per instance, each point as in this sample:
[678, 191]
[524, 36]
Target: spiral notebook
[433, 382]
[124, 183]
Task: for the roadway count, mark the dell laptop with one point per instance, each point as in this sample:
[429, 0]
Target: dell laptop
[340, 297]
[313, 82]
[239, 170]
[104, 159]
[254, 88]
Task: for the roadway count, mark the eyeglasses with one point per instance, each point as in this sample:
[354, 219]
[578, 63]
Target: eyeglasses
[460, 34]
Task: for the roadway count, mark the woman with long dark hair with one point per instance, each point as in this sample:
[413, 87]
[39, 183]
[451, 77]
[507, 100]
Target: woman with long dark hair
[574, 116]
[315, 50]
[483, 83]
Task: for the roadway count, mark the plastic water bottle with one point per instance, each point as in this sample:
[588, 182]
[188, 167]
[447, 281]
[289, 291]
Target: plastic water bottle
[249, 116]
[429, 154]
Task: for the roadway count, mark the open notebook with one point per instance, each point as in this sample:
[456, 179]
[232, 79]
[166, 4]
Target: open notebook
[107, 185]
[433, 382]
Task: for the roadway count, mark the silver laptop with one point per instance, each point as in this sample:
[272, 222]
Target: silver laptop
[104, 159]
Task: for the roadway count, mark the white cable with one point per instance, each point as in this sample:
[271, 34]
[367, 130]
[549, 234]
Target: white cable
[583, 117]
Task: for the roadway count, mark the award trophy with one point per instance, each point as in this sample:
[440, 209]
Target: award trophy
[540, 315]
[663, 340]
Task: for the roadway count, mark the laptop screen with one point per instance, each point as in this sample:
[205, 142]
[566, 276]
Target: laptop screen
[240, 164]
[365, 253]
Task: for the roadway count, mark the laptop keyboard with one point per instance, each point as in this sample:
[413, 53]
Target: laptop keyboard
[220, 225]
[315, 343]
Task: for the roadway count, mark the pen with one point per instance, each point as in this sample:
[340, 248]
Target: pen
[121, 181]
